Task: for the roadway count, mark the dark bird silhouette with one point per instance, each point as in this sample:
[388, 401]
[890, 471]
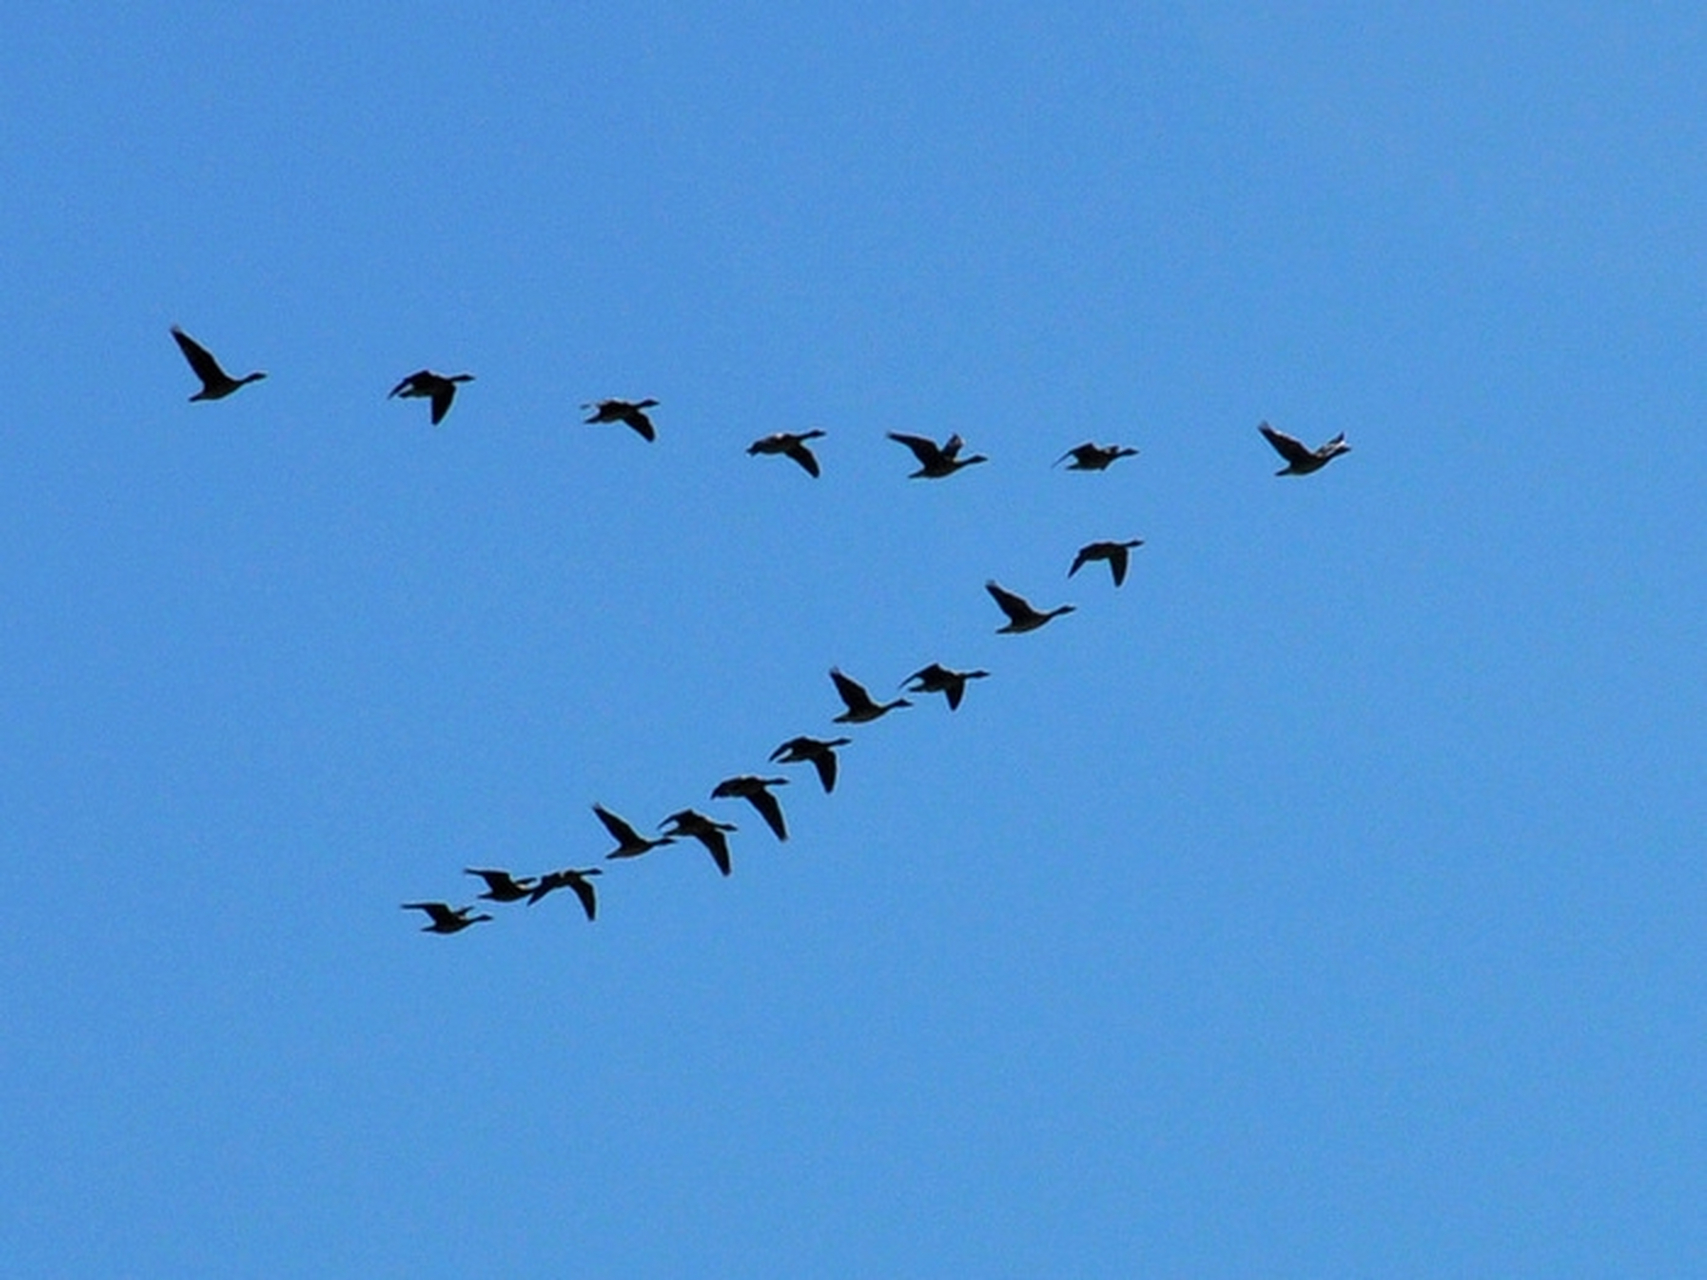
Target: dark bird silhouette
[500, 887]
[629, 842]
[690, 822]
[1021, 616]
[756, 792]
[936, 461]
[937, 678]
[570, 878]
[1301, 460]
[445, 918]
[630, 413]
[1113, 552]
[427, 385]
[216, 382]
[820, 753]
[1095, 457]
[790, 444]
[861, 708]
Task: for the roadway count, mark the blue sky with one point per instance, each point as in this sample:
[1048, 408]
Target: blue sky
[1325, 901]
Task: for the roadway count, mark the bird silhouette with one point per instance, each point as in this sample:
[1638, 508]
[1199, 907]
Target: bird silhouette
[790, 444]
[1113, 552]
[697, 826]
[631, 413]
[1094, 457]
[500, 886]
[820, 753]
[1021, 616]
[574, 878]
[216, 382]
[1301, 460]
[756, 792]
[862, 709]
[937, 678]
[629, 842]
[936, 461]
[445, 919]
[427, 385]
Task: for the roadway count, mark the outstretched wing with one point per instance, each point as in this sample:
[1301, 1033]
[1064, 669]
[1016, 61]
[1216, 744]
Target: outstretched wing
[1294, 451]
[924, 450]
[1016, 607]
[202, 363]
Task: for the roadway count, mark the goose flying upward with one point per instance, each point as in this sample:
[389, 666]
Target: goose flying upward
[862, 709]
[445, 918]
[1090, 456]
[427, 385]
[629, 842]
[790, 444]
[1021, 615]
[697, 826]
[936, 461]
[1113, 552]
[631, 413]
[820, 753]
[756, 791]
[216, 382]
[937, 678]
[1301, 460]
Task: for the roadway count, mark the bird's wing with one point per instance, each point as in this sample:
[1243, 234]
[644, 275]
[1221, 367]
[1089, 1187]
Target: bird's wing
[852, 691]
[769, 810]
[824, 761]
[924, 450]
[443, 394]
[202, 363]
[804, 456]
[583, 888]
[620, 831]
[954, 689]
[1294, 451]
[439, 911]
[1117, 563]
[637, 419]
[1014, 606]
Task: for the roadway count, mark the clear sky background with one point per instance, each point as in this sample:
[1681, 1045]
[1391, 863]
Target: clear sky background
[1327, 901]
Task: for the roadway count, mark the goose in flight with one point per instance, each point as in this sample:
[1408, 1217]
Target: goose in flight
[630, 413]
[790, 444]
[216, 382]
[1301, 460]
[937, 678]
[820, 753]
[427, 385]
[570, 878]
[756, 791]
[445, 919]
[1113, 552]
[1021, 616]
[500, 885]
[1095, 457]
[629, 842]
[861, 708]
[696, 825]
[936, 461]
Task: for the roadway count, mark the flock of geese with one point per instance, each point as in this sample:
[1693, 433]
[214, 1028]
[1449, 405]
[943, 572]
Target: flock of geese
[936, 462]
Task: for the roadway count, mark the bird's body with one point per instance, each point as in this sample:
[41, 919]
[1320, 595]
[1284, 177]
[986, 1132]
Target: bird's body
[820, 753]
[790, 444]
[1301, 460]
[574, 878]
[1021, 615]
[937, 678]
[1116, 553]
[862, 708]
[216, 382]
[629, 842]
[631, 413]
[427, 385]
[936, 461]
[696, 825]
[445, 918]
[756, 791]
[500, 885]
[1090, 456]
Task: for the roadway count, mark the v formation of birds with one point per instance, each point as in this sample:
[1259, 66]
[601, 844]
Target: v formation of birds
[935, 462]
